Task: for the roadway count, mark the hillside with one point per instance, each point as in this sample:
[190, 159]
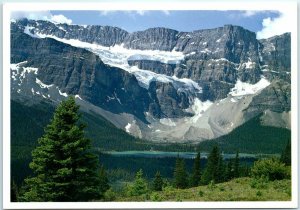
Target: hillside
[241, 189]
[252, 137]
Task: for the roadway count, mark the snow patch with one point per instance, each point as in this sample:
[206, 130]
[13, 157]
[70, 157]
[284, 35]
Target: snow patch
[77, 96]
[244, 88]
[199, 107]
[63, 94]
[42, 85]
[127, 127]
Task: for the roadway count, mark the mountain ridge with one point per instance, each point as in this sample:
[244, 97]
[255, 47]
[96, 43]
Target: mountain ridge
[189, 88]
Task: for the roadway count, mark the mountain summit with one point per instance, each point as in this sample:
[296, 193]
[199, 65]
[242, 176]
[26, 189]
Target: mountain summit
[159, 84]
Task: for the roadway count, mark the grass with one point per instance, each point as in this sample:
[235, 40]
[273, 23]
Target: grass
[240, 189]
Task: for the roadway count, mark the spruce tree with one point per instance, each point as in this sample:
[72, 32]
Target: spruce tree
[64, 168]
[103, 181]
[140, 185]
[211, 170]
[229, 170]
[180, 175]
[286, 154]
[196, 175]
[158, 182]
[236, 168]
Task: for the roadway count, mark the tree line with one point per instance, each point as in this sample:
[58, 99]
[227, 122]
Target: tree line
[65, 168]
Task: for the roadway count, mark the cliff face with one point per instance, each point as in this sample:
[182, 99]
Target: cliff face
[211, 65]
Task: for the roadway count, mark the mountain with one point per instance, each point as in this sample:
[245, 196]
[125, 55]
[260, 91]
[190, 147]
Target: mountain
[159, 84]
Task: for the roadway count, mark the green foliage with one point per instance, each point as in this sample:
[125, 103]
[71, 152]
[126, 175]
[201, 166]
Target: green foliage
[64, 169]
[110, 195]
[155, 197]
[158, 182]
[103, 181]
[180, 175]
[139, 186]
[236, 168]
[229, 172]
[237, 189]
[251, 137]
[196, 174]
[14, 191]
[271, 169]
[215, 170]
[286, 154]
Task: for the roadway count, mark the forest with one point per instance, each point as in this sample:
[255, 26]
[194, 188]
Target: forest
[65, 165]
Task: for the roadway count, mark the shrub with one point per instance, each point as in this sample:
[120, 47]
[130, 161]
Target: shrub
[201, 193]
[109, 195]
[271, 169]
[155, 197]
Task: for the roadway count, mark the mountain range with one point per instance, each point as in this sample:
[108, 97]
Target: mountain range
[158, 84]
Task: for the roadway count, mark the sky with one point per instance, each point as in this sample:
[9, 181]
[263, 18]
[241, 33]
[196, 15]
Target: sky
[264, 23]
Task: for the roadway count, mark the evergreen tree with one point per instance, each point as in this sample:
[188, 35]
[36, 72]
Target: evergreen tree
[236, 168]
[196, 175]
[158, 182]
[14, 192]
[139, 186]
[286, 154]
[64, 168]
[229, 170]
[103, 181]
[180, 175]
[220, 170]
[211, 170]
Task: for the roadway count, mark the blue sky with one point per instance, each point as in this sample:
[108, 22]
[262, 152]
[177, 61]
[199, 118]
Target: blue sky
[178, 20]
[264, 23]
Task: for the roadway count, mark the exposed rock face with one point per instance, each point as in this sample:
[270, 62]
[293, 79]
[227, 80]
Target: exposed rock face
[276, 52]
[103, 35]
[276, 97]
[155, 66]
[168, 99]
[152, 39]
[214, 60]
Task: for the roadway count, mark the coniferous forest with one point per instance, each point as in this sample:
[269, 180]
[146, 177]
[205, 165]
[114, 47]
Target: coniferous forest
[65, 163]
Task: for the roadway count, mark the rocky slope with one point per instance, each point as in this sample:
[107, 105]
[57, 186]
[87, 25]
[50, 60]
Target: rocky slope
[158, 84]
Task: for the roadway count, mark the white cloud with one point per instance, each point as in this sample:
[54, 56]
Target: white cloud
[34, 15]
[249, 13]
[276, 26]
[166, 12]
[61, 19]
[40, 15]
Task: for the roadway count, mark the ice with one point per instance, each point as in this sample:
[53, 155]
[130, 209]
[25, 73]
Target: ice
[42, 85]
[244, 88]
[218, 40]
[199, 107]
[118, 56]
[77, 96]
[63, 94]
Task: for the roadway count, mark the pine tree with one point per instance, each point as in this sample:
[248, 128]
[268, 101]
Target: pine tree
[158, 182]
[196, 175]
[64, 168]
[103, 181]
[139, 186]
[236, 167]
[180, 175]
[220, 171]
[14, 192]
[286, 154]
[211, 170]
[229, 170]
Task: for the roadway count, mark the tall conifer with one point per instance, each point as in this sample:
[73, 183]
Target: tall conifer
[64, 168]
